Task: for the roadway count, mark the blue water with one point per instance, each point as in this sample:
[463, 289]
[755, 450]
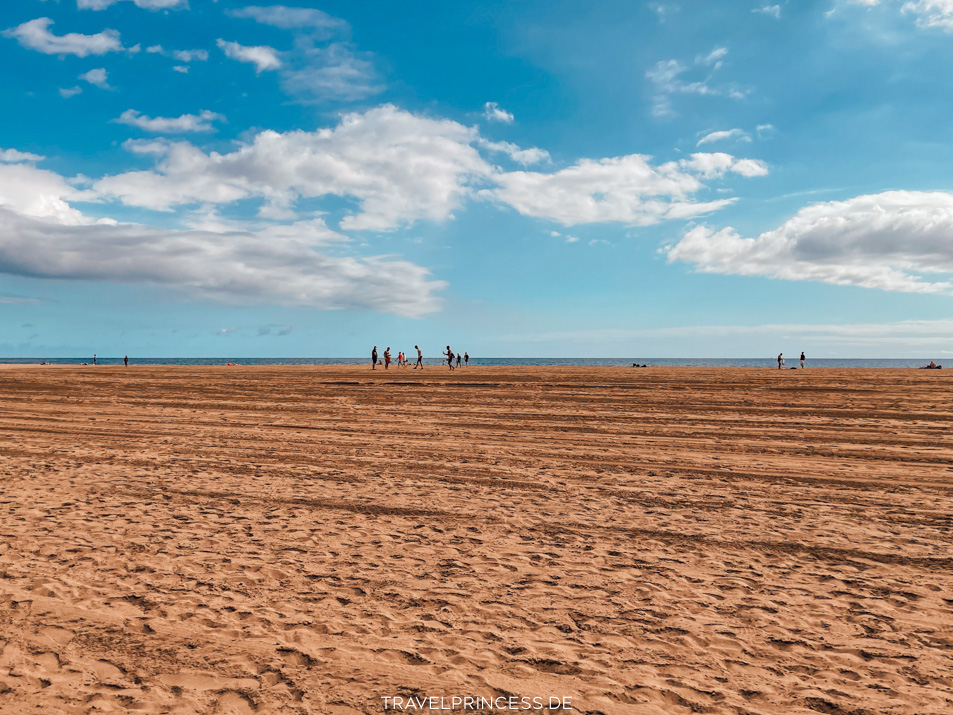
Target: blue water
[528, 362]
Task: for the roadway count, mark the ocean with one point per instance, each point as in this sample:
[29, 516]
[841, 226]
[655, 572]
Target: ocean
[768, 362]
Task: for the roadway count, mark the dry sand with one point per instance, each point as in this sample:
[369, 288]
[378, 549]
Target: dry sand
[311, 539]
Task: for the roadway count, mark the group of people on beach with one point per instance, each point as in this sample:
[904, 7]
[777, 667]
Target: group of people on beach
[781, 360]
[402, 358]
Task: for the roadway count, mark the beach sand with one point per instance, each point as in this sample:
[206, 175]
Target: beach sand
[313, 539]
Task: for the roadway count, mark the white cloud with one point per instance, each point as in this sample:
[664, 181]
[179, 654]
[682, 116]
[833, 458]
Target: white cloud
[671, 77]
[718, 164]
[36, 35]
[495, 113]
[402, 168]
[96, 77]
[38, 193]
[334, 72]
[399, 166]
[264, 58]
[155, 50]
[43, 236]
[237, 267]
[533, 155]
[293, 18]
[894, 241]
[723, 135]
[144, 4]
[932, 13]
[623, 189]
[190, 55]
[182, 69]
[12, 156]
[201, 122]
[68, 92]
[770, 10]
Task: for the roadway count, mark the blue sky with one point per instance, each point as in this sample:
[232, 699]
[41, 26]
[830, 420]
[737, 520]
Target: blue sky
[612, 179]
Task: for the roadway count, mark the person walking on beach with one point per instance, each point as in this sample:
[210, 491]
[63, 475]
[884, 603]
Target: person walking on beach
[466, 359]
[125, 361]
[94, 359]
[374, 358]
[420, 358]
[780, 360]
[458, 359]
[802, 359]
[387, 358]
[449, 355]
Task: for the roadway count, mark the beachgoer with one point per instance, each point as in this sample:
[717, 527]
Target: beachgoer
[374, 358]
[449, 355]
[466, 359]
[387, 358]
[420, 358]
[780, 360]
[125, 361]
[458, 359]
[94, 359]
[802, 359]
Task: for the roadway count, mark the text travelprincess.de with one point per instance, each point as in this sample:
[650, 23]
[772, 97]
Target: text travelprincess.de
[466, 702]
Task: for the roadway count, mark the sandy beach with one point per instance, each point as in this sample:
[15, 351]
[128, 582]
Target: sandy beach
[316, 539]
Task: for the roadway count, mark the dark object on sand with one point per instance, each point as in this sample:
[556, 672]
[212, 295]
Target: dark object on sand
[932, 366]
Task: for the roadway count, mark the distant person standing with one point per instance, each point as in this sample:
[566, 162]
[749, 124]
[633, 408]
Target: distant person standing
[125, 361]
[420, 358]
[458, 359]
[802, 359]
[449, 355]
[374, 358]
[94, 359]
[780, 360]
[466, 359]
[387, 359]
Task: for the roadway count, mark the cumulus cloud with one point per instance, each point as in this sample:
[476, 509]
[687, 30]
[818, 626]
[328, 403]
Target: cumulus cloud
[13, 156]
[67, 92]
[723, 135]
[317, 22]
[43, 236]
[894, 241]
[38, 193]
[533, 155]
[36, 35]
[932, 13]
[625, 189]
[770, 10]
[96, 77]
[201, 122]
[264, 58]
[190, 55]
[719, 163]
[495, 113]
[144, 4]
[312, 71]
[400, 168]
[237, 267]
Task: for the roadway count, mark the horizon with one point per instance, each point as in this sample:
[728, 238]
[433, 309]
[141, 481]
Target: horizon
[523, 178]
